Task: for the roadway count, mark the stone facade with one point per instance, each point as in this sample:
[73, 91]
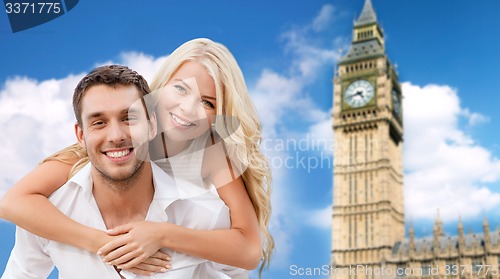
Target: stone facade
[368, 228]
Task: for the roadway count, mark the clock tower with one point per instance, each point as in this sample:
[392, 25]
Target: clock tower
[368, 210]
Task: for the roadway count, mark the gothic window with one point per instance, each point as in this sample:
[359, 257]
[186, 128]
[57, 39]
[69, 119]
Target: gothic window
[355, 189]
[371, 146]
[371, 185]
[366, 188]
[366, 148]
[355, 149]
[355, 235]
[350, 189]
[372, 231]
[366, 232]
[350, 150]
[350, 232]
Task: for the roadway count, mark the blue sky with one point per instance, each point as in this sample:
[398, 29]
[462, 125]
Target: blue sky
[447, 56]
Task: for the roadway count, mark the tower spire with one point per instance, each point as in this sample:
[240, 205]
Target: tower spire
[368, 15]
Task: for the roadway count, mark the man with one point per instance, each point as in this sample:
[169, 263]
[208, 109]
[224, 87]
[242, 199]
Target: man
[119, 185]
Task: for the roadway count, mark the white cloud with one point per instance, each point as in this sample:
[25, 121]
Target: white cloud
[324, 18]
[144, 64]
[37, 119]
[474, 117]
[320, 218]
[445, 167]
[322, 135]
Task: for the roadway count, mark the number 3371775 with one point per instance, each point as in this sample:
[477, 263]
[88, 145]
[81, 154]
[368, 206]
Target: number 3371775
[32, 8]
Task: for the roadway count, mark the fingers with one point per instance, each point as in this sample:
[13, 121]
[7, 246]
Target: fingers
[161, 255]
[123, 255]
[158, 262]
[129, 260]
[107, 248]
[120, 229]
[147, 270]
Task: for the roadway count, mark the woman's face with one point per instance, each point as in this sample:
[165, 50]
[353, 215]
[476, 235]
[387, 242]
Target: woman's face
[187, 104]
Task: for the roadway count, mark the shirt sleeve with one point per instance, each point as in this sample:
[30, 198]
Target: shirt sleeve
[28, 260]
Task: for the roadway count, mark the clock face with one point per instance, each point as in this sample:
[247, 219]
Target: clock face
[359, 93]
[396, 104]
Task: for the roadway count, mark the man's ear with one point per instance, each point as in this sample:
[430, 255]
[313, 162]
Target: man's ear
[153, 126]
[79, 135]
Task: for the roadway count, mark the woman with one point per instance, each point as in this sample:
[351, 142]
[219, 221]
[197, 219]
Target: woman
[224, 94]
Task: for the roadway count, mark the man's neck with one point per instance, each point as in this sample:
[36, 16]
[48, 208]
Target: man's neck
[124, 202]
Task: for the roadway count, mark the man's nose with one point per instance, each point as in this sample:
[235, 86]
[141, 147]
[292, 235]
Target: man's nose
[117, 132]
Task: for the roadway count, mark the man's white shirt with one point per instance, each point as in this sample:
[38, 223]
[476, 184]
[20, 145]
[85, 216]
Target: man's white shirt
[35, 257]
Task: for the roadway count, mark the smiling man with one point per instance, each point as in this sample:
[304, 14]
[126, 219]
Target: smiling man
[115, 188]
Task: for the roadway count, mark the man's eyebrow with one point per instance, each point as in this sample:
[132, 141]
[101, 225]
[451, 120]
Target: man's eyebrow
[183, 82]
[94, 115]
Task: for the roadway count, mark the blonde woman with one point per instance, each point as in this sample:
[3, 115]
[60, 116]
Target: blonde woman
[198, 91]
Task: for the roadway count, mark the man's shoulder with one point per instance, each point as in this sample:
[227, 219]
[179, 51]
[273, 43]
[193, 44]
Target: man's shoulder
[77, 185]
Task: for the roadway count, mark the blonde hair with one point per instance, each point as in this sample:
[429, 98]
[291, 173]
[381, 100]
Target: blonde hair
[242, 137]
[73, 155]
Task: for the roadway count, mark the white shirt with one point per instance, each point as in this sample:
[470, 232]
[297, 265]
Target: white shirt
[35, 257]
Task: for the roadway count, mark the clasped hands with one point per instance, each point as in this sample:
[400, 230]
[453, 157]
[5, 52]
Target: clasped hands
[135, 247]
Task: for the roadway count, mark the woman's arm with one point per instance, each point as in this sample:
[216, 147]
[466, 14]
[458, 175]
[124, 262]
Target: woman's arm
[238, 246]
[26, 205]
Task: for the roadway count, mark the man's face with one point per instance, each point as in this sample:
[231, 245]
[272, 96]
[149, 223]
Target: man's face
[115, 131]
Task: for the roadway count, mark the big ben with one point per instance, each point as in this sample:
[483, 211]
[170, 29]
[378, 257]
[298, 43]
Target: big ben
[368, 210]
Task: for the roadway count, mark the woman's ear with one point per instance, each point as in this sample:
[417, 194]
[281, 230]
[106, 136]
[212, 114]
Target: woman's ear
[79, 135]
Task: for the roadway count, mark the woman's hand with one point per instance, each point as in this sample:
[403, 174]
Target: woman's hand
[156, 263]
[138, 242]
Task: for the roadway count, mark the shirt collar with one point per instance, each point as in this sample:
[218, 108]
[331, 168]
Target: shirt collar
[166, 189]
[83, 179]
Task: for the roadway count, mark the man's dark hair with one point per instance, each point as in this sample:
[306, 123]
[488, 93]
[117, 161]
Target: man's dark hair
[110, 75]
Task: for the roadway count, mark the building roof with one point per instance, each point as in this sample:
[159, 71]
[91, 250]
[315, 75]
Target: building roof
[426, 244]
[363, 50]
[367, 16]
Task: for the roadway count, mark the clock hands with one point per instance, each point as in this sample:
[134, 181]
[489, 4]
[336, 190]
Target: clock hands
[360, 93]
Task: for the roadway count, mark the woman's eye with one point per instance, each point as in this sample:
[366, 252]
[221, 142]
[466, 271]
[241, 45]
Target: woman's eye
[208, 104]
[180, 89]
